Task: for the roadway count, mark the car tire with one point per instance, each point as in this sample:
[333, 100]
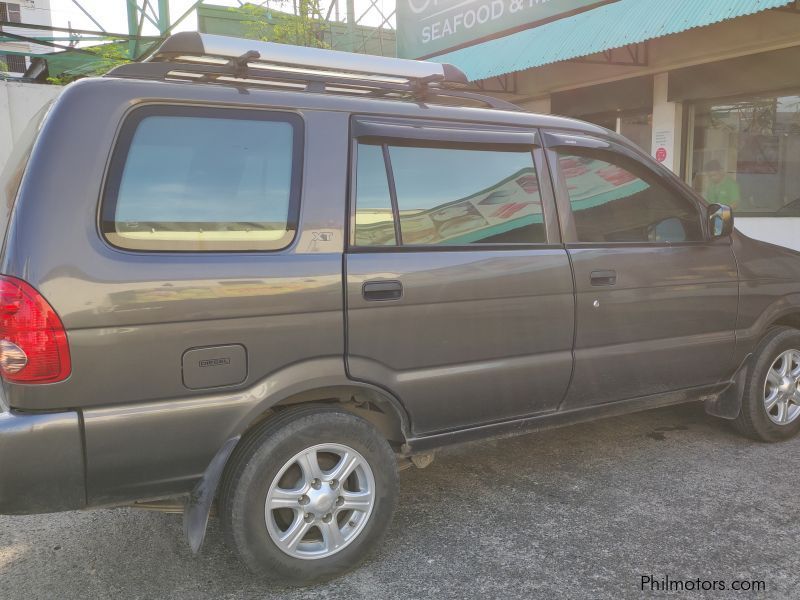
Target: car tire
[771, 403]
[275, 464]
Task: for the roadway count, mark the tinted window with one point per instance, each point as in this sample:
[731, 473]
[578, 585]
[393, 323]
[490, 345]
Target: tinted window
[614, 199]
[448, 196]
[223, 182]
[374, 220]
[458, 196]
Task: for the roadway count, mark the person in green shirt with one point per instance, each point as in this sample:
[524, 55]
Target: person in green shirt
[722, 188]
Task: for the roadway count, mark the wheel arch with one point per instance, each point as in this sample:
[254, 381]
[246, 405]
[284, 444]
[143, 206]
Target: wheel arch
[789, 319]
[374, 404]
[727, 404]
[329, 387]
[782, 311]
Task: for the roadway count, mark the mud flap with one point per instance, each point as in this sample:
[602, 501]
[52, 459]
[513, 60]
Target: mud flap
[198, 505]
[728, 403]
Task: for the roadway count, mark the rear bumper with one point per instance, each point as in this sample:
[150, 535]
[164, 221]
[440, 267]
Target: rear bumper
[41, 462]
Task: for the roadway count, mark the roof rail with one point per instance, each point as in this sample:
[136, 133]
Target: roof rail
[220, 59]
[191, 43]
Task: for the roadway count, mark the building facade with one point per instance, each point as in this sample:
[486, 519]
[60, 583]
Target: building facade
[711, 89]
[13, 62]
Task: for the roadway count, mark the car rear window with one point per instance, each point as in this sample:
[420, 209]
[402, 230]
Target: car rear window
[200, 179]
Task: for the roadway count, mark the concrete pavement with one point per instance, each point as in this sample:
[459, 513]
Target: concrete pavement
[580, 512]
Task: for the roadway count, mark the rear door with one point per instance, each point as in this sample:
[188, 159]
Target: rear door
[657, 299]
[459, 294]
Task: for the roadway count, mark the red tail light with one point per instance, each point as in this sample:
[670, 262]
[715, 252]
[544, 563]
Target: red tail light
[33, 342]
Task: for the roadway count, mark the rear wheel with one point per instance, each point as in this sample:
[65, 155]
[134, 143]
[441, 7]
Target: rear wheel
[771, 404]
[309, 494]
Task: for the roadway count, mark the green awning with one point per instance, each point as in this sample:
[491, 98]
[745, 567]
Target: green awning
[610, 26]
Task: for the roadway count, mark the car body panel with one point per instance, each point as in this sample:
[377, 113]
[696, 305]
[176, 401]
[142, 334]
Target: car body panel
[769, 289]
[131, 316]
[41, 462]
[481, 343]
[667, 323]
[160, 449]
[666, 318]
[478, 335]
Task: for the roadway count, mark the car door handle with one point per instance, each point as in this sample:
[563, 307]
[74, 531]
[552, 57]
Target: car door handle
[604, 277]
[382, 290]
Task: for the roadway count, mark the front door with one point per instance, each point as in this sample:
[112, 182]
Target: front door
[657, 299]
[459, 295]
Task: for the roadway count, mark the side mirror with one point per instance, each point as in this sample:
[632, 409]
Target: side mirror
[720, 219]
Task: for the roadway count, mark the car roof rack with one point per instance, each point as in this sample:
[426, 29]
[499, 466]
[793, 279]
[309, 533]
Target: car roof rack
[201, 57]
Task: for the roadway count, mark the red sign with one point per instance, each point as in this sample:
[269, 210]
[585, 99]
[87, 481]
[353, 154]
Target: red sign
[661, 154]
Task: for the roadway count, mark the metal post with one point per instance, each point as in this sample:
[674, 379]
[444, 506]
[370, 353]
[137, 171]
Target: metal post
[163, 17]
[133, 27]
[351, 25]
[88, 14]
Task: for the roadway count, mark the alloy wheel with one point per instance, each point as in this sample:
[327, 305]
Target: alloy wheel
[782, 388]
[320, 501]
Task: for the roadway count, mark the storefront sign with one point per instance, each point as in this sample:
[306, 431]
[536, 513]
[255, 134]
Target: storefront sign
[428, 27]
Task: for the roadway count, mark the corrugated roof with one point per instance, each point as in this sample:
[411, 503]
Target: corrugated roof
[610, 26]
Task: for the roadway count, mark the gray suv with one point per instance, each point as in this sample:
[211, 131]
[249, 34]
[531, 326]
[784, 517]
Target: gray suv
[264, 278]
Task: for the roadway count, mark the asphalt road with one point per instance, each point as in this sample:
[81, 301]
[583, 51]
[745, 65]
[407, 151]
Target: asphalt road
[580, 512]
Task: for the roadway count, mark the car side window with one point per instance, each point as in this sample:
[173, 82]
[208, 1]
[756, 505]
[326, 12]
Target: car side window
[197, 179]
[374, 223]
[615, 199]
[448, 196]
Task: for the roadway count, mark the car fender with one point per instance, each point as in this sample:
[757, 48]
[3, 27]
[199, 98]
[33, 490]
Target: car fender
[292, 381]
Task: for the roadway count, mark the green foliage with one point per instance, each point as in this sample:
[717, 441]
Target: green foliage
[305, 28]
[107, 56]
[3, 66]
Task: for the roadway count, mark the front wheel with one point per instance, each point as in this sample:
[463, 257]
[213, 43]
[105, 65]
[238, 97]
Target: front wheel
[771, 404]
[308, 495]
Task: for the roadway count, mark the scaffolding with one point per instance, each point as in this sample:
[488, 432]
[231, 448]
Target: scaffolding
[134, 45]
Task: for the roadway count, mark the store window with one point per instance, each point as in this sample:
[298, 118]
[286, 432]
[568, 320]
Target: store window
[746, 153]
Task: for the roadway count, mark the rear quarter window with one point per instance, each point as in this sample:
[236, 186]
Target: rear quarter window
[203, 180]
